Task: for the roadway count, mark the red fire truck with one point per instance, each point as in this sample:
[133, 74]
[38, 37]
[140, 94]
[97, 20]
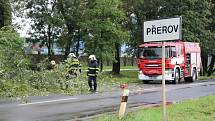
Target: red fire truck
[182, 61]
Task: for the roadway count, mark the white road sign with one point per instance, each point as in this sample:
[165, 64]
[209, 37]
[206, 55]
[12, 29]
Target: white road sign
[161, 30]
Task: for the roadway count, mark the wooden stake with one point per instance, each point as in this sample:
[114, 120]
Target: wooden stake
[123, 104]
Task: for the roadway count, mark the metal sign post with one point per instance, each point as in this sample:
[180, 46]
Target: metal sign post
[163, 82]
[160, 31]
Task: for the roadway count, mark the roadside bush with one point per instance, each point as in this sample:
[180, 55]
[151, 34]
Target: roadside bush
[12, 58]
[10, 89]
[55, 81]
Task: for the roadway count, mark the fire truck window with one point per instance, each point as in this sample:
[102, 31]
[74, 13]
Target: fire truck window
[188, 58]
[167, 54]
[140, 53]
[179, 51]
[151, 52]
[173, 52]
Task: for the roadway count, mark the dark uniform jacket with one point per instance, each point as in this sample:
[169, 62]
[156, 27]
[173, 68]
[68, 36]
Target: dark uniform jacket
[93, 68]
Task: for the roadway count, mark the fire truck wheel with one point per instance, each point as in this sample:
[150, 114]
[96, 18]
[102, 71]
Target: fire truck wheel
[177, 77]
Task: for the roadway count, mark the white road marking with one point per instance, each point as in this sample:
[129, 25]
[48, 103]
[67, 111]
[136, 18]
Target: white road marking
[201, 83]
[49, 101]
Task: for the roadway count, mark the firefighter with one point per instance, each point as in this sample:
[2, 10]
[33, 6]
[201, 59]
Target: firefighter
[92, 73]
[73, 65]
[51, 65]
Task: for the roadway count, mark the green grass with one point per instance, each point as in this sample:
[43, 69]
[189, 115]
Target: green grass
[123, 77]
[127, 77]
[121, 67]
[202, 109]
[111, 82]
[110, 67]
[206, 77]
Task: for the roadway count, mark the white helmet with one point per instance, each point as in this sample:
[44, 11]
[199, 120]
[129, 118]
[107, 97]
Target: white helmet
[53, 62]
[71, 55]
[92, 57]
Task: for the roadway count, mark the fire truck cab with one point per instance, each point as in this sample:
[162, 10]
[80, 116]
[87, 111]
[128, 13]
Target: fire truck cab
[182, 61]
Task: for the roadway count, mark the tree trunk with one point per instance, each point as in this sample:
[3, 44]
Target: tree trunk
[116, 65]
[39, 56]
[77, 45]
[211, 66]
[67, 48]
[70, 28]
[132, 61]
[69, 41]
[1, 18]
[125, 61]
[101, 65]
[49, 42]
[204, 58]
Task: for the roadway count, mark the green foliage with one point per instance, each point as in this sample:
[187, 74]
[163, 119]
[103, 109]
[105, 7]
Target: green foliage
[54, 81]
[197, 20]
[104, 25]
[30, 83]
[72, 13]
[11, 89]
[9, 38]
[139, 11]
[202, 109]
[16, 80]
[12, 59]
[13, 64]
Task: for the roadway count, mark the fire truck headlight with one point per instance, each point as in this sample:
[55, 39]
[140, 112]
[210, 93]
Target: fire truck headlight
[168, 71]
[140, 72]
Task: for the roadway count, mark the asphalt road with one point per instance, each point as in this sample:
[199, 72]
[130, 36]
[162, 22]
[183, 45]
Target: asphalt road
[61, 107]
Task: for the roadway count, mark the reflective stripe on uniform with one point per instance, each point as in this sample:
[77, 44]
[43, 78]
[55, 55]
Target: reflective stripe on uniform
[91, 74]
[92, 68]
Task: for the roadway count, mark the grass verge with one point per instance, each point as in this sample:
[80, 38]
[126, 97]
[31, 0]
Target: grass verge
[206, 77]
[110, 67]
[202, 109]
[124, 76]
[109, 82]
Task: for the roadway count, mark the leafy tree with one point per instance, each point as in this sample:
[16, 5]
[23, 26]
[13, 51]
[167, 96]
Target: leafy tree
[72, 14]
[212, 36]
[55, 21]
[197, 20]
[104, 29]
[139, 11]
[46, 22]
[196, 15]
